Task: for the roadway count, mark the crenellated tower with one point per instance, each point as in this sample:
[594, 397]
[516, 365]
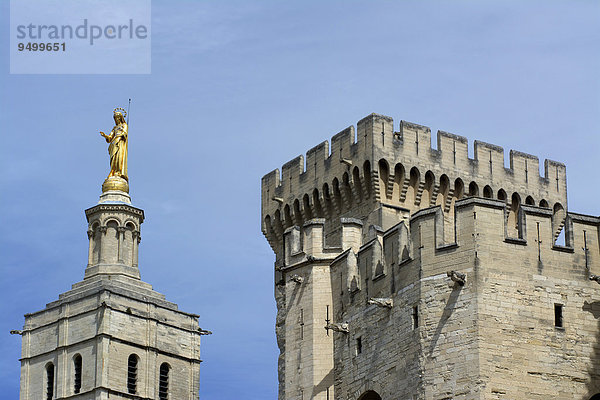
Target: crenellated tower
[111, 336]
[407, 272]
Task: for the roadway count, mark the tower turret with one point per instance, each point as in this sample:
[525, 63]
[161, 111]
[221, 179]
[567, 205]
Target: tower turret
[114, 234]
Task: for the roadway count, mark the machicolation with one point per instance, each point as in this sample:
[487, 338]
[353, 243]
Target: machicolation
[403, 172]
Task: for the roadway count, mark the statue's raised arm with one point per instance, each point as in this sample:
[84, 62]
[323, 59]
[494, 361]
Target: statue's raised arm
[117, 149]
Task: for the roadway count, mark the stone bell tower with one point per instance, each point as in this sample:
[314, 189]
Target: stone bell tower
[111, 335]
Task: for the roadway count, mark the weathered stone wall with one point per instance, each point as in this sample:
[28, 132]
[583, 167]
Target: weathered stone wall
[379, 243]
[105, 324]
[309, 349]
[523, 353]
[492, 338]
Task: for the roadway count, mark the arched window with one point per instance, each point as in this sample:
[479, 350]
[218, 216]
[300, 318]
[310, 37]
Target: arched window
[384, 176]
[558, 224]
[317, 204]
[297, 212]
[459, 189]
[268, 226]
[473, 189]
[398, 181]
[428, 190]
[287, 215]
[111, 239]
[347, 189]
[501, 195]
[513, 227]
[49, 381]
[443, 192]
[487, 192]
[163, 382]
[95, 245]
[306, 206]
[529, 201]
[77, 373]
[127, 253]
[132, 364]
[356, 181]
[327, 198]
[370, 395]
[415, 178]
[337, 194]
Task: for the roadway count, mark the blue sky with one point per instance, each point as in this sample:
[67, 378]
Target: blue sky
[236, 90]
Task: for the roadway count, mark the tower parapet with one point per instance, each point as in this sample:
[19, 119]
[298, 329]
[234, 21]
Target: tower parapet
[400, 170]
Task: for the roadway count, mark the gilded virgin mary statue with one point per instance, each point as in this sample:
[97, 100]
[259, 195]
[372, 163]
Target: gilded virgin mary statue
[117, 150]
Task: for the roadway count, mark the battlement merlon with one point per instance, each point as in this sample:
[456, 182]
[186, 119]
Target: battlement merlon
[308, 243]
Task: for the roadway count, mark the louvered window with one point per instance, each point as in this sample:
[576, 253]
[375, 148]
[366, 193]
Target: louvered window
[163, 382]
[49, 381]
[77, 369]
[132, 364]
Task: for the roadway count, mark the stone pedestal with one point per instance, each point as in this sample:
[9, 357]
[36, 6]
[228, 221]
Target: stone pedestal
[114, 196]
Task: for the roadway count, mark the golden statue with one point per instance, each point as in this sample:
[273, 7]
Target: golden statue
[117, 178]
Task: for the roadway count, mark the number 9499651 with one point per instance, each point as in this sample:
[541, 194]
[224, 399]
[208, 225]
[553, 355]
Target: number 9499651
[41, 46]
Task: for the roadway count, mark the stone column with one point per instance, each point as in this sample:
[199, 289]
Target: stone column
[136, 239]
[102, 256]
[90, 234]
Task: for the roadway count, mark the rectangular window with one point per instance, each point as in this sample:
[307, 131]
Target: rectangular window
[358, 345]
[558, 316]
[415, 317]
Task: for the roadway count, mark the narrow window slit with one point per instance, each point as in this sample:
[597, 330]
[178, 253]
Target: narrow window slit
[558, 316]
[415, 317]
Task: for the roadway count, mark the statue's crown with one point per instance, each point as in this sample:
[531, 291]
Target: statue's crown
[120, 110]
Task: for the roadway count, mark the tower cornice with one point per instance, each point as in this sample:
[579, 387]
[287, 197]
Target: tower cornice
[114, 208]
